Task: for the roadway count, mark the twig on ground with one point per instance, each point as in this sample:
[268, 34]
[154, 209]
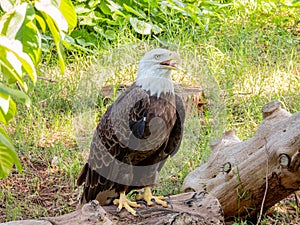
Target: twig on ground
[43, 78]
[46, 79]
[296, 200]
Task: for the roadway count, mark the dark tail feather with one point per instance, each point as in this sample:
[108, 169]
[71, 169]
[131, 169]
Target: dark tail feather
[95, 184]
[91, 187]
[82, 177]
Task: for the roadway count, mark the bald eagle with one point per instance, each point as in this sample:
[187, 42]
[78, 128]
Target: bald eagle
[135, 136]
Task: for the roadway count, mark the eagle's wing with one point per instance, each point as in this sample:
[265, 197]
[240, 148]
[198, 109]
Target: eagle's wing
[176, 135]
[177, 131]
[107, 161]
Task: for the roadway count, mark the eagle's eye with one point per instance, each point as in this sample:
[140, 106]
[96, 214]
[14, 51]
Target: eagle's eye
[157, 57]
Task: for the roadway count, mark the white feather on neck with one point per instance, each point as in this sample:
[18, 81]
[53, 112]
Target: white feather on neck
[157, 81]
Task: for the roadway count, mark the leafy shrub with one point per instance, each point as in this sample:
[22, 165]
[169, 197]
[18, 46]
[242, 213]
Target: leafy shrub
[20, 52]
[104, 18]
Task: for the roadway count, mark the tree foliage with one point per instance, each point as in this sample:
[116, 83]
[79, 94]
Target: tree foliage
[105, 18]
[21, 27]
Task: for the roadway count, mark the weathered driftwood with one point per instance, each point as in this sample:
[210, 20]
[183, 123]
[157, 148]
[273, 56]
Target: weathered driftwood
[188, 208]
[236, 171]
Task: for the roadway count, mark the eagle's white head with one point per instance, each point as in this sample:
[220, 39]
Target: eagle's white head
[154, 71]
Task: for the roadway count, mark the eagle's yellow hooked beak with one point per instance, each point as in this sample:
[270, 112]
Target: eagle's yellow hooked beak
[172, 61]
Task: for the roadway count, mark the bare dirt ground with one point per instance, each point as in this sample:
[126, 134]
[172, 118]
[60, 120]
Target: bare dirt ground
[39, 191]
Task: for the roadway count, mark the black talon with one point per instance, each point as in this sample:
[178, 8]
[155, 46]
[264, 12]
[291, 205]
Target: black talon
[118, 210]
[153, 200]
[167, 196]
[139, 214]
[141, 202]
[170, 204]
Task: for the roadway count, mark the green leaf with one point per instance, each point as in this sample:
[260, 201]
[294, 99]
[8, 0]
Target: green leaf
[57, 37]
[153, 3]
[4, 102]
[94, 3]
[81, 9]
[19, 96]
[89, 20]
[41, 22]
[156, 29]
[68, 11]
[19, 25]
[13, 70]
[30, 37]
[13, 21]
[56, 3]
[14, 47]
[51, 11]
[110, 34]
[114, 7]
[104, 8]
[68, 42]
[140, 26]
[7, 108]
[8, 156]
[135, 12]
[8, 5]
[57, 24]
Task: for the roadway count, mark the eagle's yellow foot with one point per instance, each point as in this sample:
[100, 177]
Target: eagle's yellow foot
[151, 200]
[123, 201]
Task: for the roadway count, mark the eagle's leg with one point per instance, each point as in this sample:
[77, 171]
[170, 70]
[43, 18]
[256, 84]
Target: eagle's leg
[123, 201]
[150, 199]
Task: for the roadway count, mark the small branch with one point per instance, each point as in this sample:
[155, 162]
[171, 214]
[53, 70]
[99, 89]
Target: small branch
[296, 200]
[43, 78]
[19, 86]
[46, 79]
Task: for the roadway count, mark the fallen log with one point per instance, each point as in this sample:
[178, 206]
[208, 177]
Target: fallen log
[188, 208]
[254, 174]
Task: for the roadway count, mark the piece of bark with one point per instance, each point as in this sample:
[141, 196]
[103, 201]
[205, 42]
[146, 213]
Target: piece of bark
[188, 208]
[236, 171]
[28, 222]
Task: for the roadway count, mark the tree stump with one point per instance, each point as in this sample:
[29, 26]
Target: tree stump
[191, 96]
[188, 208]
[259, 172]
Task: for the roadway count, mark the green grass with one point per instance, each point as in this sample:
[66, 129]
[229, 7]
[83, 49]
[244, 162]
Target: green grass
[245, 58]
